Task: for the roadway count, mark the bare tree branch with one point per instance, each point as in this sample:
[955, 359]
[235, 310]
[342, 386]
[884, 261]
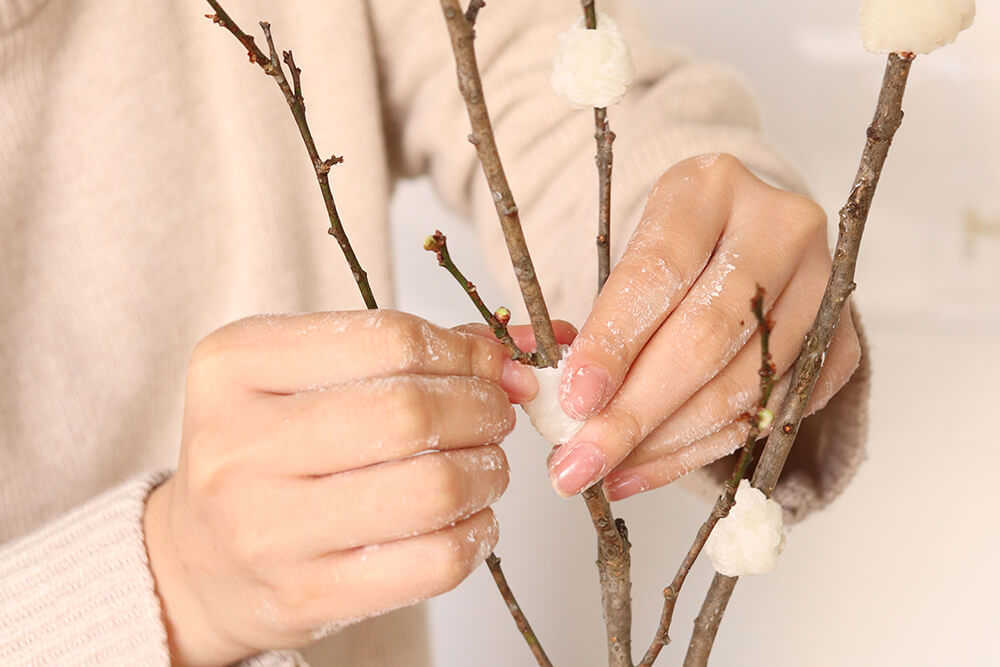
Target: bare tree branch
[853, 216]
[438, 244]
[462, 36]
[725, 500]
[520, 620]
[605, 138]
[614, 564]
[472, 13]
[293, 96]
[614, 560]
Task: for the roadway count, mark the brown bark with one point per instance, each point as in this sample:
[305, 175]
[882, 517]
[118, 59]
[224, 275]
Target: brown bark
[726, 499]
[614, 561]
[293, 96]
[520, 620]
[853, 216]
[462, 35]
[438, 244]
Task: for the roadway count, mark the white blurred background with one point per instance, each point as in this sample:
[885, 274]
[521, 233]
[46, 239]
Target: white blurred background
[900, 570]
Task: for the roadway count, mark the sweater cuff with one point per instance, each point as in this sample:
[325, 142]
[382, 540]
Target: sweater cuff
[79, 590]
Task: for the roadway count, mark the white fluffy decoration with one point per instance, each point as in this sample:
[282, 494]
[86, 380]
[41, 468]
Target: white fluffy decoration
[914, 26]
[544, 411]
[750, 539]
[593, 68]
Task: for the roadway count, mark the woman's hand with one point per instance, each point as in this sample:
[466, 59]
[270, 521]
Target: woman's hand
[668, 359]
[333, 467]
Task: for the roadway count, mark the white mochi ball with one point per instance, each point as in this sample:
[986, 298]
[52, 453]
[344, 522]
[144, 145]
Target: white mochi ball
[750, 539]
[544, 411]
[913, 26]
[593, 68]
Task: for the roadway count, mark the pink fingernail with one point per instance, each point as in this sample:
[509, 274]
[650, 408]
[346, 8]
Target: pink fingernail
[584, 391]
[623, 486]
[518, 381]
[574, 470]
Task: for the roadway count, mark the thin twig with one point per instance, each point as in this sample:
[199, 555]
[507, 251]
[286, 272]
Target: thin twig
[472, 13]
[462, 36]
[605, 138]
[725, 501]
[520, 620]
[614, 560]
[293, 96]
[438, 244]
[853, 216]
[497, 320]
[604, 158]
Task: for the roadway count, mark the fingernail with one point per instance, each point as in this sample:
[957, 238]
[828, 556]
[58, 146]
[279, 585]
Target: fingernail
[574, 470]
[623, 486]
[518, 381]
[584, 391]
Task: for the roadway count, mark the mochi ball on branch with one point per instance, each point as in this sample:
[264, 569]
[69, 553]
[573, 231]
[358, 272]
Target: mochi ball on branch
[593, 68]
[750, 538]
[913, 26]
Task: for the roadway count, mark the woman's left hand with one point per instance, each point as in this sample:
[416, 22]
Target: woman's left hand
[668, 359]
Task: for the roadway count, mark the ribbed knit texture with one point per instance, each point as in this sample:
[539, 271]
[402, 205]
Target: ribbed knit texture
[153, 187]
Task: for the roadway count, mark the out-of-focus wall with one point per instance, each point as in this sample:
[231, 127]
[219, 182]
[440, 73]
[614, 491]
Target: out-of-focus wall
[899, 570]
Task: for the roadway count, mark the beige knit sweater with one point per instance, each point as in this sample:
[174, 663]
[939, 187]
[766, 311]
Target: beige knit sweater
[153, 187]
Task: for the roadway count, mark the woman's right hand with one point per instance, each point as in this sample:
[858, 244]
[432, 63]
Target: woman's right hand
[300, 502]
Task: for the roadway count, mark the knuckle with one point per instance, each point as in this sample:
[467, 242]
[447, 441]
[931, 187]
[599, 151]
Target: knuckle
[411, 414]
[713, 332]
[486, 357]
[459, 550]
[497, 418]
[716, 170]
[447, 489]
[803, 214]
[729, 397]
[626, 424]
[401, 345]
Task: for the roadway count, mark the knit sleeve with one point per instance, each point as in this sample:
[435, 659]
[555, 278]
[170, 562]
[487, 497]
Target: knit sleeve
[676, 109]
[79, 590]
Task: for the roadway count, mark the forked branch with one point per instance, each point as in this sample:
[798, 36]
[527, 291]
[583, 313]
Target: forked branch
[271, 65]
[497, 320]
[462, 34]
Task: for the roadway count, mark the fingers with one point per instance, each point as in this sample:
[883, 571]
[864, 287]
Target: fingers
[667, 252]
[524, 338]
[346, 586]
[662, 458]
[373, 420]
[284, 354]
[709, 327]
[736, 388]
[668, 468]
[390, 501]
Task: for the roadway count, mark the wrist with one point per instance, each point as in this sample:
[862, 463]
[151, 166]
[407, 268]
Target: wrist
[189, 628]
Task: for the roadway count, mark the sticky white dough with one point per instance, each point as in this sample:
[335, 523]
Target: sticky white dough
[544, 411]
[913, 26]
[593, 68]
[750, 539]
